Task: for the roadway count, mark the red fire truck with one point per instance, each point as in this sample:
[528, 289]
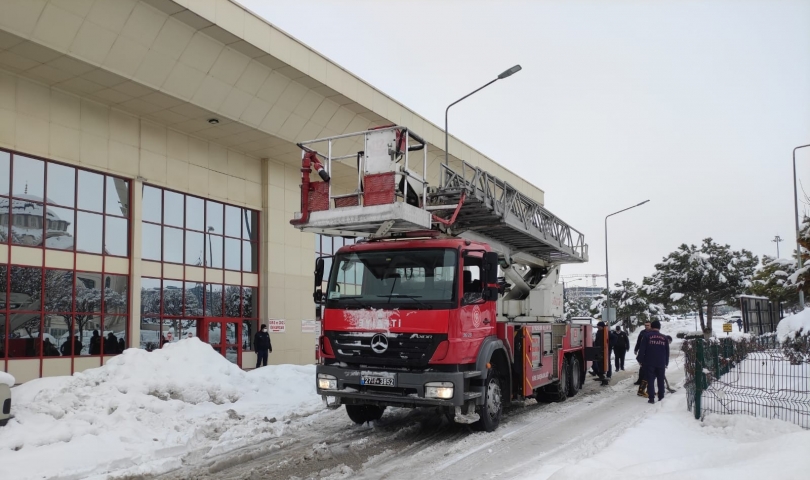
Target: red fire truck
[451, 298]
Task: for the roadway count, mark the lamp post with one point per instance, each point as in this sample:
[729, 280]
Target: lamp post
[796, 211]
[506, 73]
[607, 280]
[776, 240]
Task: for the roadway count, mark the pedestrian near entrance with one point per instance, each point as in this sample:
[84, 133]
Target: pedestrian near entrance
[654, 355]
[739, 324]
[262, 345]
[622, 346]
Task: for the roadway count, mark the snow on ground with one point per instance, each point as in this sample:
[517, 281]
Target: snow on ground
[798, 323]
[7, 379]
[143, 411]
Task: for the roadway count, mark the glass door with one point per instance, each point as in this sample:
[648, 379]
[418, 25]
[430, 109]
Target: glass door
[223, 334]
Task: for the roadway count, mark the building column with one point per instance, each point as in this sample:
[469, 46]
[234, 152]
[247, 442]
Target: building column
[136, 213]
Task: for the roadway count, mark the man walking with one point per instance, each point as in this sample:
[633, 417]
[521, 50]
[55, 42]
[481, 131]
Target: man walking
[261, 343]
[654, 355]
[639, 341]
[622, 345]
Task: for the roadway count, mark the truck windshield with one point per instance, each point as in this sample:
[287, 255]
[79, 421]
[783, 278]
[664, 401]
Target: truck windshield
[413, 279]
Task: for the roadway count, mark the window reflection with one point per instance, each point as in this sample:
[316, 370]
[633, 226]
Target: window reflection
[173, 208]
[116, 236]
[58, 291]
[90, 191]
[195, 213]
[250, 301]
[29, 178]
[27, 222]
[213, 300]
[24, 335]
[115, 328]
[172, 245]
[150, 296]
[26, 288]
[193, 299]
[5, 171]
[233, 301]
[88, 292]
[117, 197]
[249, 220]
[150, 333]
[233, 254]
[195, 248]
[250, 257]
[233, 221]
[230, 333]
[172, 297]
[150, 242]
[59, 229]
[214, 254]
[89, 330]
[116, 297]
[152, 204]
[213, 213]
[89, 227]
[61, 185]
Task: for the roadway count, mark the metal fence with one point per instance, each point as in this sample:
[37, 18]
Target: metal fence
[757, 376]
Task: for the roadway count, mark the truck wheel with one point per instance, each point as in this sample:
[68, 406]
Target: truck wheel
[574, 377]
[490, 412]
[361, 414]
[561, 392]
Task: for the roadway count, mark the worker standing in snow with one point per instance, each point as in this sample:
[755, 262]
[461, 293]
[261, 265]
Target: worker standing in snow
[641, 376]
[262, 345]
[654, 355]
[622, 345]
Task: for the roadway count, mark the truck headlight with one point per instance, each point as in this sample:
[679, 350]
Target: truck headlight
[443, 390]
[327, 382]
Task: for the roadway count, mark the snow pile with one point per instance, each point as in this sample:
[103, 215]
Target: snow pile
[670, 444]
[7, 379]
[794, 324]
[143, 411]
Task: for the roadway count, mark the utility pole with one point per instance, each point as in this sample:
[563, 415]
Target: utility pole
[776, 240]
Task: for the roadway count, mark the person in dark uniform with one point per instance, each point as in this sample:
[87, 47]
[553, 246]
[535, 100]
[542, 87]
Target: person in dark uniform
[641, 377]
[621, 348]
[654, 355]
[599, 342]
[262, 345]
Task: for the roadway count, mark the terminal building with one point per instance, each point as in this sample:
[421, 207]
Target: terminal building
[149, 171]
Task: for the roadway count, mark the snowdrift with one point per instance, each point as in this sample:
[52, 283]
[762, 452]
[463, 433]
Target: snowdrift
[6, 379]
[143, 411]
[794, 324]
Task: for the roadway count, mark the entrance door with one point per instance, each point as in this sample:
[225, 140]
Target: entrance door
[224, 335]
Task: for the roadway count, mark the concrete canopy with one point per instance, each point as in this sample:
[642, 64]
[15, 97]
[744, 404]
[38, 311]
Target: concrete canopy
[182, 62]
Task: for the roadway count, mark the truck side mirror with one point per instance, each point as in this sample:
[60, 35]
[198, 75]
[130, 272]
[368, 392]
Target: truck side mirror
[317, 296]
[491, 268]
[318, 271]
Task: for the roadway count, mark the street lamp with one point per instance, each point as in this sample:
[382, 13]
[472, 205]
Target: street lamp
[796, 211]
[607, 279]
[776, 240]
[506, 73]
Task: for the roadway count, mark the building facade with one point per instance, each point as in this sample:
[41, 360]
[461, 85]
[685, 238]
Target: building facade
[148, 173]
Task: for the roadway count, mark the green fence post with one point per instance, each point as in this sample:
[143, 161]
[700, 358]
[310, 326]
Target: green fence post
[698, 375]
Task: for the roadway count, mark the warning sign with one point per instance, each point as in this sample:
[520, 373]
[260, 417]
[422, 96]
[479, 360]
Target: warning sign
[308, 326]
[277, 325]
[727, 327]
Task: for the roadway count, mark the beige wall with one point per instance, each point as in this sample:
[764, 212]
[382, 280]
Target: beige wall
[43, 121]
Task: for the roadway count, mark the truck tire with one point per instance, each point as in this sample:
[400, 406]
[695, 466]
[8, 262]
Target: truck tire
[574, 376]
[361, 414]
[561, 388]
[490, 412]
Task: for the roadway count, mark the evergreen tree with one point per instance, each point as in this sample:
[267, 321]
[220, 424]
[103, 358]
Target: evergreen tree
[772, 281]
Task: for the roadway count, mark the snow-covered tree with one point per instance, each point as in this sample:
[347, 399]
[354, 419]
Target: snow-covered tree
[630, 302]
[704, 276]
[577, 307]
[772, 281]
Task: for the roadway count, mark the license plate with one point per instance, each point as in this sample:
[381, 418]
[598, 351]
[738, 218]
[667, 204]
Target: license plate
[378, 380]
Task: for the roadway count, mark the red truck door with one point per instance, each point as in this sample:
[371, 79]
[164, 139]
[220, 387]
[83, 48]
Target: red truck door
[476, 316]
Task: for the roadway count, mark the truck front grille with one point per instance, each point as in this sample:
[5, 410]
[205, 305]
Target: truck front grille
[402, 349]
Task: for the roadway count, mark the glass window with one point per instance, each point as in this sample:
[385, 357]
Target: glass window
[213, 300]
[230, 333]
[188, 329]
[89, 327]
[116, 294]
[233, 254]
[150, 333]
[91, 191]
[58, 330]
[88, 292]
[193, 299]
[170, 331]
[89, 228]
[214, 253]
[326, 245]
[195, 248]
[250, 257]
[172, 245]
[5, 173]
[150, 296]
[24, 338]
[152, 204]
[233, 301]
[172, 297]
[195, 213]
[29, 178]
[116, 236]
[213, 214]
[26, 222]
[233, 221]
[250, 220]
[150, 242]
[2, 327]
[249, 329]
[173, 209]
[58, 290]
[117, 197]
[250, 302]
[61, 185]
[115, 329]
[26, 289]
[59, 231]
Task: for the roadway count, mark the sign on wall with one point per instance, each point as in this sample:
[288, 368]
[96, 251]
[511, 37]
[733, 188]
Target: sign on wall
[277, 325]
[308, 326]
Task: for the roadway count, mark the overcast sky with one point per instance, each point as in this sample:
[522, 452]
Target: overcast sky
[695, 105]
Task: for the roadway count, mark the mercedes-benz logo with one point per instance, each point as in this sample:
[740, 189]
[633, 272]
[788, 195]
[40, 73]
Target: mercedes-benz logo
[379, 343]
